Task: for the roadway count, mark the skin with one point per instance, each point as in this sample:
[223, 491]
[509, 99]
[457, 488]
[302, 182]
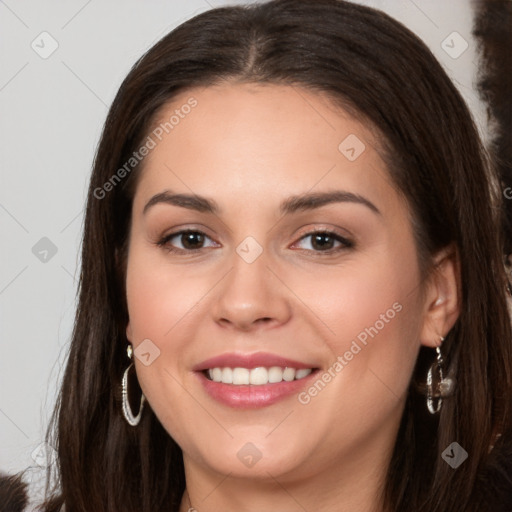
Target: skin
[249, 147]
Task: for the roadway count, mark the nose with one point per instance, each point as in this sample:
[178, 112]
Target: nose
[251, 296]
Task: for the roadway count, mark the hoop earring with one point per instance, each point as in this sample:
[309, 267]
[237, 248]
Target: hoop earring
[438, 386]
[127, 410]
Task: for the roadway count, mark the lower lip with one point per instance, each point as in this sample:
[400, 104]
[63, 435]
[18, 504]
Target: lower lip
[251, 396]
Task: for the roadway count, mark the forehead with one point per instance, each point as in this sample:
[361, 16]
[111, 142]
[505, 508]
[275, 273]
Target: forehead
[266, 139]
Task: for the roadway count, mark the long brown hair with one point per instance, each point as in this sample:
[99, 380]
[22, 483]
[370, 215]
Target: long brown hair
[381, 72]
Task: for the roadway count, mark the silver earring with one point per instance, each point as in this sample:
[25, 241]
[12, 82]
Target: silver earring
[438, 386]
[127, 410]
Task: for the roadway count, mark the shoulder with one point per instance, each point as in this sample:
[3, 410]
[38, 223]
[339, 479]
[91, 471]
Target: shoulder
[13, 492]
[494, 480]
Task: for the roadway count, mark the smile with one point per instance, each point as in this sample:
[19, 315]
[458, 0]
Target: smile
[256, 376]
[251, 381]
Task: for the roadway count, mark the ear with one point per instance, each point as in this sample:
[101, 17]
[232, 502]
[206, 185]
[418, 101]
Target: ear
[117, 258]
[129, 333]
[442, 298]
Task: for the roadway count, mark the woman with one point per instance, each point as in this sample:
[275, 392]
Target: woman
[292, 231]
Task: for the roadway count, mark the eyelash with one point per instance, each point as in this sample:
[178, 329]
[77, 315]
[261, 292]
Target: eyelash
[345, 243]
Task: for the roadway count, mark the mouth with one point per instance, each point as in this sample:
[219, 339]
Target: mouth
[259, 376]
[253, 381]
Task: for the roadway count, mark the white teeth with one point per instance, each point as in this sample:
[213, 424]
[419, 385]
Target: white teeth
[289, 374]
[217, 375]
[303, 372]
[275, 374]
[257, 376]
[227, 376]
[240, 376]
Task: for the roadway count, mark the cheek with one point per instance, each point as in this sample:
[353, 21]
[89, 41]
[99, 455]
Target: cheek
[158, 297]
[375, 313]
[158, 300]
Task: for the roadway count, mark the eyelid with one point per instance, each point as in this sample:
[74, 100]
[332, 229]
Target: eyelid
[165, 239]
[346, 243]
[325, 229]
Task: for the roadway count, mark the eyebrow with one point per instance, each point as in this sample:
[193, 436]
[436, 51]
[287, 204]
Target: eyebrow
[299, 203]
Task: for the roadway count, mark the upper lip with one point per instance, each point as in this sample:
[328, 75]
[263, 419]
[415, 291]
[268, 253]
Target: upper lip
[259, 359]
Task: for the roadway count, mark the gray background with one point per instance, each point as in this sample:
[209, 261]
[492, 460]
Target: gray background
[52, 111]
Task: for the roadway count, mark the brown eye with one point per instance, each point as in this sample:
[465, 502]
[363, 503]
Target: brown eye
[324, 241]
[184, 241]
[192, 239]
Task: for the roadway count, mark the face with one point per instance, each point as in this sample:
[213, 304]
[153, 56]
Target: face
[298, 253]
